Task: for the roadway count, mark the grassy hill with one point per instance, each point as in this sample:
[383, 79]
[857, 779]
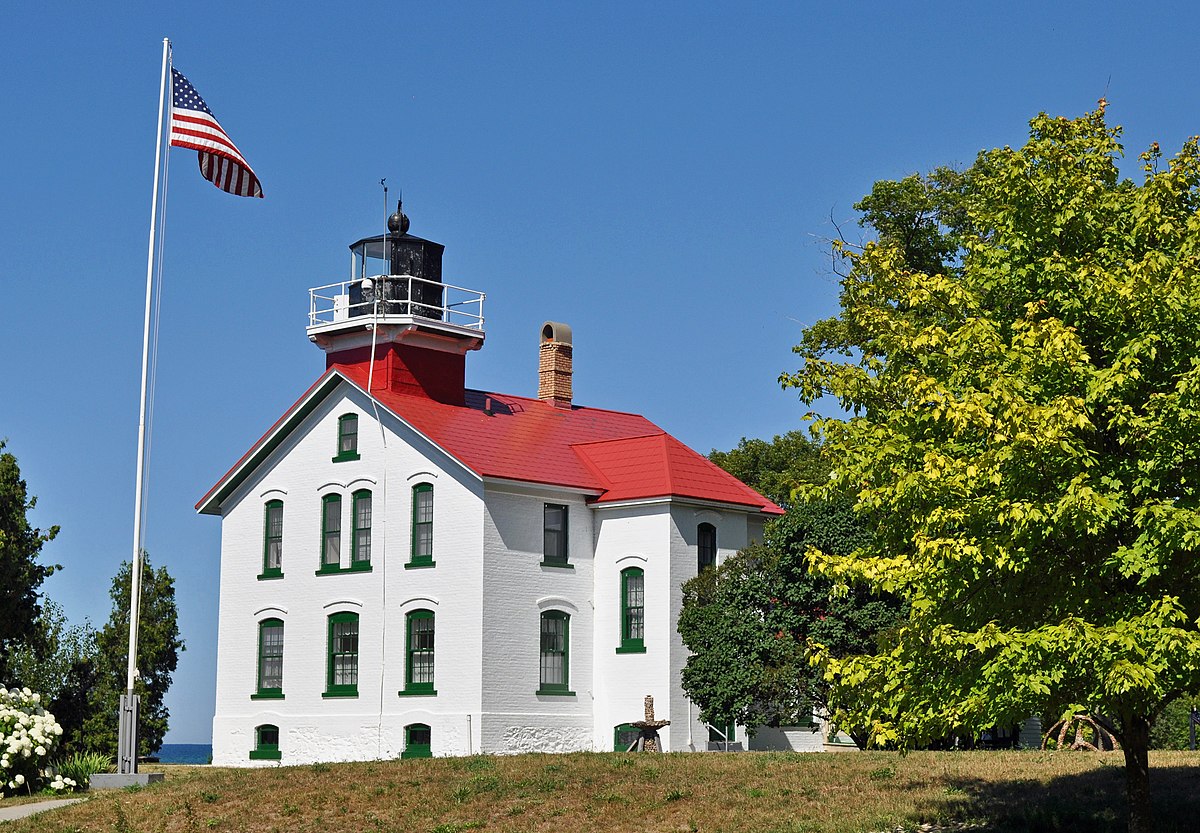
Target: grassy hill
[768, 792]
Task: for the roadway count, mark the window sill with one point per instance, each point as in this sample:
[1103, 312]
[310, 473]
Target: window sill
[419, 565]
[346, 456]
[332, 695]
[555, 565]
[265, 755]
[631, 649]
[267, 695]
[417, 693]
[334, 569]
[548, 693]
[269, 576]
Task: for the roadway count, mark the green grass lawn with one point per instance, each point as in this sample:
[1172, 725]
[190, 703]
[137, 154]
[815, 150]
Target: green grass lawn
[768, 792]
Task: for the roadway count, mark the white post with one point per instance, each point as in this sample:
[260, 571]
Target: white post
[127, 728]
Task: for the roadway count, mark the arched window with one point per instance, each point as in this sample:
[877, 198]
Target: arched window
[633, 611]
[554, 659]
[266, 743]
[342, 674]
[331, 533]
[347, 445]
[706, 547]
[270, 660]
[422, 526]
[273, 540]
[360, 548]
[418, 674]
[417, 741]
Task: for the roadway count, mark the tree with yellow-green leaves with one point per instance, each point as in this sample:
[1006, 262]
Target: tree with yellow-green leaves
[1019, 362]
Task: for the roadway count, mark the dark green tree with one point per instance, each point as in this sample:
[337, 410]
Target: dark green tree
[159, 645]
[750, 622]
[21, 575]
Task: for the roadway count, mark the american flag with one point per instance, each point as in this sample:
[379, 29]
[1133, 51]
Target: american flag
[194, 126]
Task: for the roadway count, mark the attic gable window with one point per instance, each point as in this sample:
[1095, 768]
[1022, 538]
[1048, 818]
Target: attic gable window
[347, 445]
[554, 537]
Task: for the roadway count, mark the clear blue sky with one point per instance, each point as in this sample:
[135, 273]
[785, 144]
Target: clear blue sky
[662, 177]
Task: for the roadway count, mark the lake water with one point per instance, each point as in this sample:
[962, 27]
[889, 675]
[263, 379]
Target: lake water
[185, 753]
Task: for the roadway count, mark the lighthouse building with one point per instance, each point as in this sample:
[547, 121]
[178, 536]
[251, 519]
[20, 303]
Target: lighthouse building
[410, 567]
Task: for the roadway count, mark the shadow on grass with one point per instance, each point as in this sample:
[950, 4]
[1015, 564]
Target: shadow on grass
[1091, 801]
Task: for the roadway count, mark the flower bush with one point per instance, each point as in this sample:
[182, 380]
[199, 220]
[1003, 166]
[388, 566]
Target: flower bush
[28, 734]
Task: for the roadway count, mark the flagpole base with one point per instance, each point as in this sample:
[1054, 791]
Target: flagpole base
[119, 780]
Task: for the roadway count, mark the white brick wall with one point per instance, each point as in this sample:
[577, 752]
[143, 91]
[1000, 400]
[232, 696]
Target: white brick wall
[487, 591]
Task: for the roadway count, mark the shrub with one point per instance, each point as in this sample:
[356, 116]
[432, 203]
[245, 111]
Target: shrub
[81, 766]
[28, 734]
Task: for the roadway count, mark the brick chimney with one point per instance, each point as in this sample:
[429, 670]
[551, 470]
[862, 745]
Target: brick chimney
[554, 365]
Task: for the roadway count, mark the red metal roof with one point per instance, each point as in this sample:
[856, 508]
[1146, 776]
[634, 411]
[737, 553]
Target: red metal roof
[622, 456]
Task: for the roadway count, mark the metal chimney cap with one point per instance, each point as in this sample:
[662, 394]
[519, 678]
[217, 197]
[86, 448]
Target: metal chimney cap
[555, 331]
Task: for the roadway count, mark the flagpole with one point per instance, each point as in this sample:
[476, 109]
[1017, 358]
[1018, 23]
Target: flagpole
[127, 726]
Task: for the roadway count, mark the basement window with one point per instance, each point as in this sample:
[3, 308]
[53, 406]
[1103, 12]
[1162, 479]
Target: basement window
[266, 743]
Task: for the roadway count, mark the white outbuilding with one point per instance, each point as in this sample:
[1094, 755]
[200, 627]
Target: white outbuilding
[410, 567]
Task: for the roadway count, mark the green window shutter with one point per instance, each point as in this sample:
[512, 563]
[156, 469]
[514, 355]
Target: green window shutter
[421, 554]
[554, 660]
[706, 547]
[418, 740]
[342, 674]
[633, 611]
[555, 535]
[272, 540]
[347, 445]
[419, 660]
[270, 659]
[360, 552]
[266, 743]
[331, 532]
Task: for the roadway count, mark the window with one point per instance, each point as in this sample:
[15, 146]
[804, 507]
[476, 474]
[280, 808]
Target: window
[347, 447]
[418, 675]
[342, 679]
[554, 541]
[273, 540]
[633, 611]
[625, 736]
[331, 533]
[719, 736]
[554, 670]
[270, 659]
[422, 526]
[706, 547]
[360, 550]
[266, 743]
[417, 737]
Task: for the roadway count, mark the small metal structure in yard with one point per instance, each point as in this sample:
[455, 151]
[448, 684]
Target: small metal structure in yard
[648, 729]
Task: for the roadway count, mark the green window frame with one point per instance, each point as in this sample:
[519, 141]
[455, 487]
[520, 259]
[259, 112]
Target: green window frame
[555, 529]
[421, 554]
[554, 659]
[633, 611]
[715, 733]
[360, 540]
[331, 534]
[706, 547]
[418, 741]
[266, 743]
[347, 444]
[419, 652]
[270, 660]
[272, 539]
[342, 674]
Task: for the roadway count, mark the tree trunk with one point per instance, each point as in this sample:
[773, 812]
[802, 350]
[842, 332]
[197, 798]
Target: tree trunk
[1135, 742]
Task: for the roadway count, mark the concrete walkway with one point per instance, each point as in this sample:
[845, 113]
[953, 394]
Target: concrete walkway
[20, 811]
